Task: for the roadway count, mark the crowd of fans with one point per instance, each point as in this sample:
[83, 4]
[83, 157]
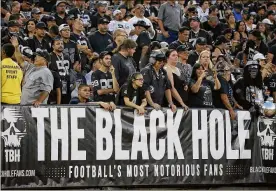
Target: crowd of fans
[176, 54]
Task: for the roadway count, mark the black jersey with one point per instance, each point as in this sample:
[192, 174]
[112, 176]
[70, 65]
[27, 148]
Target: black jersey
[202, 33]
[62, 65]
[101, 80]
[135, 95]
[71, 50]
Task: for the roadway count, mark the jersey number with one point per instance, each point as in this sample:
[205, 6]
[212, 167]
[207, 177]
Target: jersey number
[63, 67]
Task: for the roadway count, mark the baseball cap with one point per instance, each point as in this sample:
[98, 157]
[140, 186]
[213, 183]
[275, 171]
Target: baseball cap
[59, 2]
[51, 18]
[183, 48]
[201, 41]
[13, 23]
[43, 53]
[192, 9]
[103, 21]
[116, 12]
[104, 53]
[35, 11]
[271, 12]
[164, 44]
[194, 19]
[101, 4]
[158, 55]
[252, 62]
[142, 24]
[63, 26]
[40, 25]
[26, 51]
[267, 21]
[259, 56]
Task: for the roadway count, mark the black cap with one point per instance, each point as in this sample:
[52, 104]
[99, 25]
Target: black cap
[257, 34]
[104, 53]
[271, 12]
[260, 8]
[183, 48]
[51, 18]
[71, 17]
[142, 24]
[103, 21]
[40, 25]
[201, 41]
[36, 11]
[221, 39]
[192, 9]
[43, 53]
[194, 19]
[13, 23]
[158, 55]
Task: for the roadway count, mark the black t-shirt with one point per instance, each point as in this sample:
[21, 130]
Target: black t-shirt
[204, 96]
[225, 88]
[60, 20]
[47, 5]
[101, 80]
[99, 41]
[142, 40]
[251, 49]
[214, 32]
[111, 47]
[270, 83]
[177, 43]
[271, 43]
[35, 44]
[202, 33]
[57, 84]
[124, 67]
[82, 40]
[71, 50]
[192, 58]
[135, 95]
[156, 84]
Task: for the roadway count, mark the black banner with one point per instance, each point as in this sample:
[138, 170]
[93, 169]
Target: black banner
[87, 146]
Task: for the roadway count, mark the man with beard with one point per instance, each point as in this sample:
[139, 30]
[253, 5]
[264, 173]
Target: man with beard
[123, 62]
[100, 39]
[70, 47]
[101, 10]
[156, 83]
[249, 89]
[61, 63]
[38, 41]
[118, 22]
[60, 12]
[38, 79]
[104, 81]
[83, 44]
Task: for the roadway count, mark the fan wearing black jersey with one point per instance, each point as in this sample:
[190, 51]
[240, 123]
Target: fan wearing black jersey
[61, 64]
[104, 81]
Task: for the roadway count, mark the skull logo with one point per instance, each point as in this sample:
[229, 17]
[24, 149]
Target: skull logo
[265, 132]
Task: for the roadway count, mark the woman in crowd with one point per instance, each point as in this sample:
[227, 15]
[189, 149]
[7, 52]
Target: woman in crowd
[30, 28]
[231, 22]
[240, 36]
[205, 61]
[179, 87]
[262, 28]
[132, 94]
[201, 89]
[249, 22]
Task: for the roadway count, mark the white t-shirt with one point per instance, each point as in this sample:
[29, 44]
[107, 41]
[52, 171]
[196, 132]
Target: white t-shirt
[134, 20]
[114, 25]
[202, 15]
